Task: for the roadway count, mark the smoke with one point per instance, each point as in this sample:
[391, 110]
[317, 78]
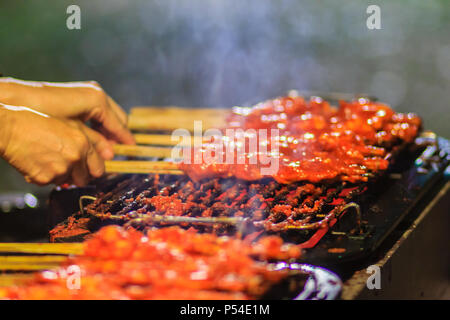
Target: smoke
[207, 53]
[228, 52]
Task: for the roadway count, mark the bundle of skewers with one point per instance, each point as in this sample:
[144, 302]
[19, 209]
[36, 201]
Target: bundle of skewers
[153, 127]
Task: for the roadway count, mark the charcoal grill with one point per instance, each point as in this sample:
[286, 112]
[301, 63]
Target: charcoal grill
[336, 224]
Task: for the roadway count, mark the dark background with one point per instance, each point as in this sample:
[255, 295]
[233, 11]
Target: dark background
[225, 53]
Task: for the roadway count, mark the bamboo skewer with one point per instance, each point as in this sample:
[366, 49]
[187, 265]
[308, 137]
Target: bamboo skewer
[165, 140]
[171, 118]
[178, 111]
[27, 266]
[38, 256]
[143, 167]
[171, 123]
[165, 119]
[42, 248]
[7, 280]
[40, 259]
[33, 259]
[142, 151]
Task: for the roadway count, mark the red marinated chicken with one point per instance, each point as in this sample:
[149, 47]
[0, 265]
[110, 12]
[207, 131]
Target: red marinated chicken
[316, 142]
[168, 263]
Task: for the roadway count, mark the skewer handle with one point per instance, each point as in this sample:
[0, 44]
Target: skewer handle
[30, 263]
[143, 167]
[171, 123]
[42, 248]
[178, 111]
[142, 151]
[13, 279]
[165, 140]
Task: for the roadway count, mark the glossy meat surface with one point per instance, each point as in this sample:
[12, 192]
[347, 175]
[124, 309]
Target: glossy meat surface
[167, 263]
[316, 142]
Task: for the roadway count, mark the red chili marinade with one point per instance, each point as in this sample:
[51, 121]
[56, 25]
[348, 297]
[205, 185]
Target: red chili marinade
[167, 263]
[317, 142]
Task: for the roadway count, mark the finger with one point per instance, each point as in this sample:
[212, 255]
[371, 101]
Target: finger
[36, 182]
[60, 171]
[100, 143]
[80, 174]
[63, 179]
[33, 181]
[120, 113]
[95, 163]
[112, 127]
[92, 160]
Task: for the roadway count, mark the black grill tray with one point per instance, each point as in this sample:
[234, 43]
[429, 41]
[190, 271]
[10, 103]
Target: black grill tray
[403, 191]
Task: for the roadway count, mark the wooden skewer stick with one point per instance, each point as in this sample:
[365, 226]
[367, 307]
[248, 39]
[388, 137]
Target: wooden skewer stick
[27, 266]
[42, 248]
[165, 140]
[177, 111]
[8, 279]
[143, 167]
[171, 123]
[40, 259]
[142, 151]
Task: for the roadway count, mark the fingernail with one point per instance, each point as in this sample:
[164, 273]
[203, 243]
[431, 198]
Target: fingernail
[107, 154]
[98, 174]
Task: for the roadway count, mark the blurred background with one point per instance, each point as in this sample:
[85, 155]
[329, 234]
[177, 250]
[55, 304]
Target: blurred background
[229, 52]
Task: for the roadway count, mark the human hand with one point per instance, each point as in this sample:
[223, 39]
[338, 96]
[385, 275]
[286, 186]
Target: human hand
[48, 150]
[72, 100]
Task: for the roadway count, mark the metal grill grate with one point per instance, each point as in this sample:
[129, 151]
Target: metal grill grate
[221, 203]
